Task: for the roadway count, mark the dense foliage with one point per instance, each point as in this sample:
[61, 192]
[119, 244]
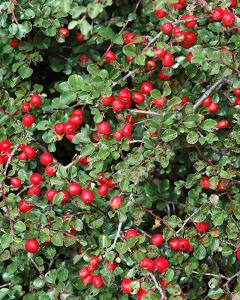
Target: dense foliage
[119, 149]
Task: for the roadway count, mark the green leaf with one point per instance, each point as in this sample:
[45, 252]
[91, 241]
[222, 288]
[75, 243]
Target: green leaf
[130, 49]
[94, 9]
[25, 72]
[20, 226]
[57, 239]
[169, 135]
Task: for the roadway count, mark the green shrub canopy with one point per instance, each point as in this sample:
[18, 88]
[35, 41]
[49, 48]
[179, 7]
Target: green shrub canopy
[119, 149]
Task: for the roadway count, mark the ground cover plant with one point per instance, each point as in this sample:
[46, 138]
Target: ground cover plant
[119, 149]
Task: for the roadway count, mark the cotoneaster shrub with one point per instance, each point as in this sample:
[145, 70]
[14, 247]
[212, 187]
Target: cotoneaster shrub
[119, 149]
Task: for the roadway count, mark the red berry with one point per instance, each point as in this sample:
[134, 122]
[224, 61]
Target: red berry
[49, 171]
[106, 100]
[237, 102]
[217, 14]
[87, 280]
[87, 196]
[76, 120]
[84, 160]
[168, 60]
[50, 194]
[129, 37]
[31, 245]
[141, 293]
[205, 182]
[117, 105]
[163, 76]
[146, 264]
[34, 190]
[127, 130]
[228, 18]
[185, 100]
[173, 244]
[189, 24]
[103, 128]
[213, 108]
[157, 239]
[29, 151]
[5, 145]
[238, 254]
[207, 102]
[97, 281]
[46, 158]
[222, 124]
[59, 128]
[25, 107]
[27, 120]
[138, 97]
[160, 52]
[159, 102]
[189, 57]
[35, 178]
[15, 182]
[14, 42]
[93, 263]
[103, 189]
[130, 233]
[161, 264]
[110, 56]
[111, 266]
[189, 39]
[80, 37]
[129, 58]
[64, 32]
[25, 206]
[116, 202]
[125, 286]
[150, 65]
[202, 226]
[74, 188]
[234, 3]
[183, 244]
[237, 92]
[159, 13]
[124, 95]
[35, 100]
[167, 28]
[69, 128]
[84, 273]
[146, 87]
[118, 135]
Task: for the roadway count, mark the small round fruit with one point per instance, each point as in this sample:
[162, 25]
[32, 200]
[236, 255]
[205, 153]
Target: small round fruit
[167, 28]
[157, 239]
[97, 281]
[207, 102]
[189, 24]
[116, 202]
[160, 53]
[103, 128]
[130, 233]
[146, 87]
[49, 171]
[59, 128]
[87, 196]
[32, 245]
[228, 18]
[93, 263]
[27, 120]
[217, 14]
[205, 182]
[50, 194]
[35, 100]
[35, 178]
[237, 92]
[222, 124]
[213, 108]
[64, 32]
[168, 60]
[111, 266]
[80, 37]
[15, 182]
[161, 264]
[110, 56]
[107, 100]
[183, 244]
[118, 135]
[84, 273]
[173, 244]
[138, 97]
[25, 107]
[147, 264]
[160, 13]
[202, 226]
[103, 189]
[46, 158]
[74, 189]
[14, 43]
[238, 254]
[34, 190]
[125, 286]
[24, 206]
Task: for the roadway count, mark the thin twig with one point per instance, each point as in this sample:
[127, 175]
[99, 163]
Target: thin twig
[211, 275]
[146, 112]
[231, 278]
[157, 285]
[112, 247]
[208, 92]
